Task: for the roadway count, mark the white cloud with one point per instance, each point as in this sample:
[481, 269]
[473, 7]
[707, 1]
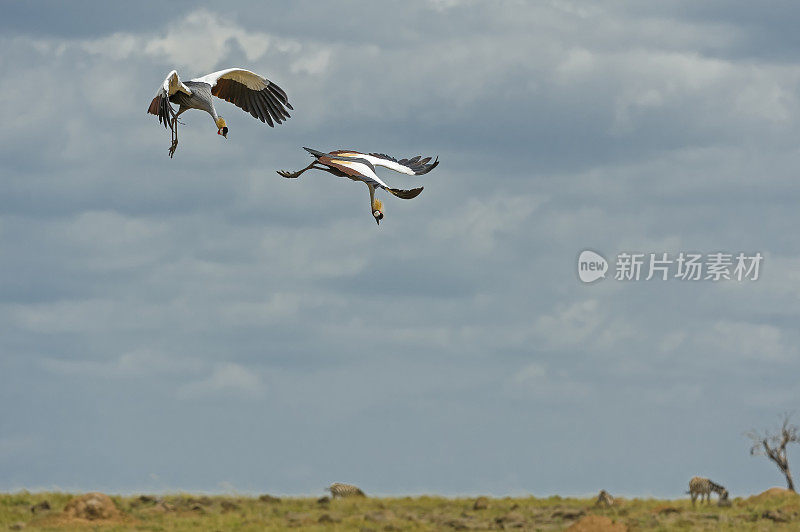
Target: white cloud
[672, 341]
[313, 65]
[225, 379]
[444, 5]
[571, 325]
[534, 378]
[481, 222]
[531, 373]
[584, 325]
[671, 394]
[198, 43]
[202, 39]
[728, 340]
[134, 364]
[79, 316]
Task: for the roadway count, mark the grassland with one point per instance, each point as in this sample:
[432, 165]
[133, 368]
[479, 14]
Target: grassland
[774, 510]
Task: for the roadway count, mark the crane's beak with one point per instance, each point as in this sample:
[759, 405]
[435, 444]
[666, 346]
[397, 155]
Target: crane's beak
[378, 221]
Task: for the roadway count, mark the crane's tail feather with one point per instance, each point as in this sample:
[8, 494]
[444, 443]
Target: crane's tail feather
[405, 194]
[315, 153]
[153, 109]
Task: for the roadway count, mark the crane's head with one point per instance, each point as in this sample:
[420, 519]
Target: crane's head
[377, 211]
[222, 128]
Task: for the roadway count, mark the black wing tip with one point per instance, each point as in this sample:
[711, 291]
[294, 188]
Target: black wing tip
[406, 194]
[281, 96]
[384, 156]
[267, 105]
[431, 166]
[419, 165]
[414, 192]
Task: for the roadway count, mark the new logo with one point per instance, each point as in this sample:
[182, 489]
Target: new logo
[591, 266]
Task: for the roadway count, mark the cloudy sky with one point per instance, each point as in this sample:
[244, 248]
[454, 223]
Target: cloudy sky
[202, 324]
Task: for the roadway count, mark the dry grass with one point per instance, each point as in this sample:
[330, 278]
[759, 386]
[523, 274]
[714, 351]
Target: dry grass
[770, 511]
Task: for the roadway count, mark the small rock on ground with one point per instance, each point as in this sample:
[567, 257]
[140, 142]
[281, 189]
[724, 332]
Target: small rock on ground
[381, 516]
[481, 503]
[92, 506]
[597, 523]
[229, 506]
[775, 515]
[328, 518]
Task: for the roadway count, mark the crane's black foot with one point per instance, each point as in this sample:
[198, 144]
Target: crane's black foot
[173, 148]
[289, 175]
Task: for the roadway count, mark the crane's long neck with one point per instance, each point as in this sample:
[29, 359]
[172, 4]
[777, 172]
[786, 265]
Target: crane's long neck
[218, 120]
[371, 197]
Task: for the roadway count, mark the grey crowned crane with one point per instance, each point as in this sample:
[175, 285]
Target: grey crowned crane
[359, 166]
[246, 90]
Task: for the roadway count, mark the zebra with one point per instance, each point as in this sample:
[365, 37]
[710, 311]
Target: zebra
[703, 487]
[339, 490]
[604, 498]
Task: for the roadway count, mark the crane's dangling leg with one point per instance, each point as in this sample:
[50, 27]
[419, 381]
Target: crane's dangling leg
[292, 175]
[174, 128]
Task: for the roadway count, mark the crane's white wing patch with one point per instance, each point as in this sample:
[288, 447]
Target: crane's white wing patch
[376, 161]
[392, 165]
[361, 168]
[251, 80]
[413, 166]
[172, 84]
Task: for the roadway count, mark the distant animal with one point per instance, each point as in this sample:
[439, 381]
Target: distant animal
[250, 92]
[604, 498]
[359, 166]
[704, 487]
[339, 490]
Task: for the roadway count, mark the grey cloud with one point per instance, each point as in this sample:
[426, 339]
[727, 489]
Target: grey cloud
[143, 299]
